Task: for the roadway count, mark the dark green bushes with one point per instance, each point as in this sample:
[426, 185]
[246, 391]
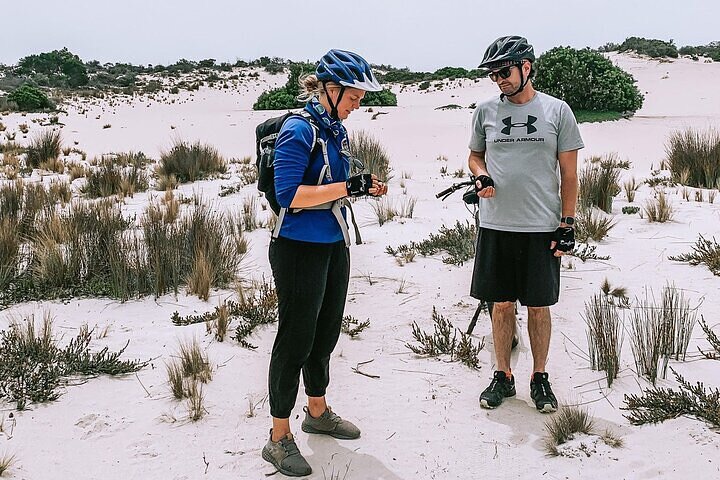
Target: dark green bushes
[29, 98]
[650, 47]
[383, 98]
[61, 67]
[711, 50]
[586, 80]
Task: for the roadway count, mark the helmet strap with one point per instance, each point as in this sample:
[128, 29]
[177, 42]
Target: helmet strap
[523, 82]
[333, 105]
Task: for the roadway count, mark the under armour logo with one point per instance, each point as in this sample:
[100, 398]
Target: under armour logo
[509, 125]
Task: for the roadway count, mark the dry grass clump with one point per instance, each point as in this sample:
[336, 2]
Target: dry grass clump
[186, 374]
[694, 156]
[564, 425]
[250, 214]
[190, 162]
[630, 186]
[660, 209]
[604, 335]
[6, 461]
[115, 176]
[659, 332]
[592, 223]
[384, 209]
[371, 153]
[44, 148]
[598, 181]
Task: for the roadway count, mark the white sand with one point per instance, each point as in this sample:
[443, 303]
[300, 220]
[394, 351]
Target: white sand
[421, 419]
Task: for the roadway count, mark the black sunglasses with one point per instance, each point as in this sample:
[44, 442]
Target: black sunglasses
[503, 73]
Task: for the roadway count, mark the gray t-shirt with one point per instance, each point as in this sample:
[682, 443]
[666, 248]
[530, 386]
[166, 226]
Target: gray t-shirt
[521, 144]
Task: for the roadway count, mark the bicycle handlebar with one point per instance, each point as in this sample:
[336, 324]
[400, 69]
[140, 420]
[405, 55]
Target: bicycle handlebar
[453, 188]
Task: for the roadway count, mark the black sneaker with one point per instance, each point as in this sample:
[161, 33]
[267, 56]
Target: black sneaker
[500, 388]
[542, 394]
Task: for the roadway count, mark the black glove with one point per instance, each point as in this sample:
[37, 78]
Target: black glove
[564, 238]
[359, 185]
[485, 182]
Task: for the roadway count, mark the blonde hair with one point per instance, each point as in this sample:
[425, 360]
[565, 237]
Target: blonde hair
[311, 87]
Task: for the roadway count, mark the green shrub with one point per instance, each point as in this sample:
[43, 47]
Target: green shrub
[711, 50]
[29, 98]
[694, 157]
[650, 47]
[285, 97]
[383, 98]
[586, 80]
[62, 67]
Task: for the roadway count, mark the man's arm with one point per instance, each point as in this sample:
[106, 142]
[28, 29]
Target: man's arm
[477, 166]
[568, 182]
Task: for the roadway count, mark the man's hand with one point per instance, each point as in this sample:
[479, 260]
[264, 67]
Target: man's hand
[563, 241]
[378, 188]
[484, 186]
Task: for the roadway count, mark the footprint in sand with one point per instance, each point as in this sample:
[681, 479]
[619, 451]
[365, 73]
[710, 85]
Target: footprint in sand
[96, 426]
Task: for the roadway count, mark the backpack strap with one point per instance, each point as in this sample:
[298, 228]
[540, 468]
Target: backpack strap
[336, 205]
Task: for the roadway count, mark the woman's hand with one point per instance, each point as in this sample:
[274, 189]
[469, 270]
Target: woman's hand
[378, 188]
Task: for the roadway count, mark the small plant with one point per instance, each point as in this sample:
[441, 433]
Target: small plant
[564, 425]
[712, 339]
[258, 308]
[106, 126]
[196, 400]
[630, 187]
[659, 404]
[407, 207]
[176, 379]
[194, 363]
[458, 242]
[353, 327]
[699, 196]
[443, 341]
[660, 209]
[6, 461]
[222, 322]
[384, 209]
[586, 252]
[630, 209]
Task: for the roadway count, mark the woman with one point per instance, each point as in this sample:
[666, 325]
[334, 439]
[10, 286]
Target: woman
[309, 257]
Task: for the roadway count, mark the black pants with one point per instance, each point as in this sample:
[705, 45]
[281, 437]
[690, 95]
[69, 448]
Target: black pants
[312, 282]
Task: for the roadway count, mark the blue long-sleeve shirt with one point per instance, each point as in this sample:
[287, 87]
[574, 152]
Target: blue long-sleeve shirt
[295, 166]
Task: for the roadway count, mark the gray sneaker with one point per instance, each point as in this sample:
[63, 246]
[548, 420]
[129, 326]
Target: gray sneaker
[329, 424]
[286, 457]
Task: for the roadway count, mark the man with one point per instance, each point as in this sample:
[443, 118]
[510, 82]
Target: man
[519, 142]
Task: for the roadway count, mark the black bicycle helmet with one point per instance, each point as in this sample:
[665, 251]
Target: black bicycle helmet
[507, 51]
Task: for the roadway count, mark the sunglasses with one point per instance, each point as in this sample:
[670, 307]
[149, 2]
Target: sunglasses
[503, 73]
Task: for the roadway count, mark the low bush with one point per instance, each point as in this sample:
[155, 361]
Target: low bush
[598, 181]
[458, 242]
[651, 47]
[29, 98]
[371, 153]
[586, 80]
[704, 251]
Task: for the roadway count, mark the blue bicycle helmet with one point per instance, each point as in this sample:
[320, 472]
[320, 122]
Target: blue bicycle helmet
[347, 69]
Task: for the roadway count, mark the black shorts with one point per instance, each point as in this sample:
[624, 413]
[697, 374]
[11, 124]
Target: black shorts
[512, 266]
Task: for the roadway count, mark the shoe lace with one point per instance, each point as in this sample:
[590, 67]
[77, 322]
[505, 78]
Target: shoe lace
[333, 417]
[289, 446]
[544, 386]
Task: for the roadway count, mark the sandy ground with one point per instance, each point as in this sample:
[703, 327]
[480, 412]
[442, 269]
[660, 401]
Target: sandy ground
[421, 418]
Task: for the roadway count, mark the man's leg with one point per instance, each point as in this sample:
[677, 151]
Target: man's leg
[539, 328]
[503, 323]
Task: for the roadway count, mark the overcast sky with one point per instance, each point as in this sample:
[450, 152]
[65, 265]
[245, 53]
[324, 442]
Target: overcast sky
[420, 34]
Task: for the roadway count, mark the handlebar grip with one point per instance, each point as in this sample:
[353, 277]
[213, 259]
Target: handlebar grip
[444, 192]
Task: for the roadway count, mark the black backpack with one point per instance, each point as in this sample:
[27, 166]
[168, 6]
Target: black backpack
[266, 134]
